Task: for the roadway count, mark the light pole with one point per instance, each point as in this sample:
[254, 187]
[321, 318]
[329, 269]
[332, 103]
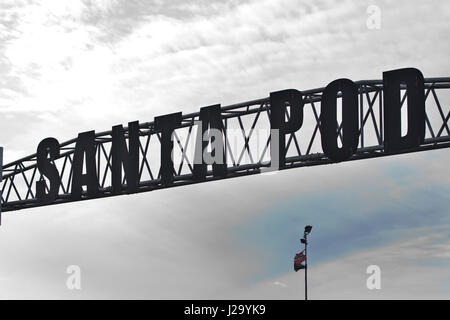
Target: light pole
[305, 241]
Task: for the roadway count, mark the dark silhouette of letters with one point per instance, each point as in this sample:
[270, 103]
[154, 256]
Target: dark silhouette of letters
[85, 146]
[209, 117]
[129, 159]
[328, 120]
[278, 102]
[414, 81]
[47, 151]
[124, 159]
[166, 125]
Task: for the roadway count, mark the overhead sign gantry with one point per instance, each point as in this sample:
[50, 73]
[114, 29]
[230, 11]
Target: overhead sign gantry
[345, 121]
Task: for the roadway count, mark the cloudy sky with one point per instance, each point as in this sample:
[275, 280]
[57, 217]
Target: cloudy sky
[72, 66]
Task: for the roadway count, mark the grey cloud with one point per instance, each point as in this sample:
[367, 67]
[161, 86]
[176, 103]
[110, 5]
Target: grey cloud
[132, 246]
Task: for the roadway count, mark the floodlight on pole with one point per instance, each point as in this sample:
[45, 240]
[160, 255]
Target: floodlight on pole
[308, 230]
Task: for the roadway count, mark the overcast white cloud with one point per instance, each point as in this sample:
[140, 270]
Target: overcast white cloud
[71, 66]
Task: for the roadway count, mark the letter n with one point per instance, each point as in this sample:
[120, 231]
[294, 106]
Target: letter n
[129, 159]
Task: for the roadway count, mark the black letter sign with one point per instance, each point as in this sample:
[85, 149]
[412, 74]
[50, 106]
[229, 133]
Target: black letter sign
[167, 124]
[328, 120]
[277, 120]
[49, 146]
[209, 117]
[85, 146]
[414, 81]
[121, 156]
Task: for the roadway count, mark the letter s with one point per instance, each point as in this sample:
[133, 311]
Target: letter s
[48, 146]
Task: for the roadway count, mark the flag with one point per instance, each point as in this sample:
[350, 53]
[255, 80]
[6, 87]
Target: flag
[298, 259]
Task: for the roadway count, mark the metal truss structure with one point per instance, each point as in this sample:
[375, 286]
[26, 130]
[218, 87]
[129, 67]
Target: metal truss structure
[247, 144]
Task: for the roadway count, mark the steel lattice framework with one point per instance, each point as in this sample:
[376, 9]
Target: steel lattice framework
[247, 141]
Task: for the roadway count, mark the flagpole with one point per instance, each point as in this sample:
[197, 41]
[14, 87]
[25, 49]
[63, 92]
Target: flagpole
[305, 241]
[306, 269]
